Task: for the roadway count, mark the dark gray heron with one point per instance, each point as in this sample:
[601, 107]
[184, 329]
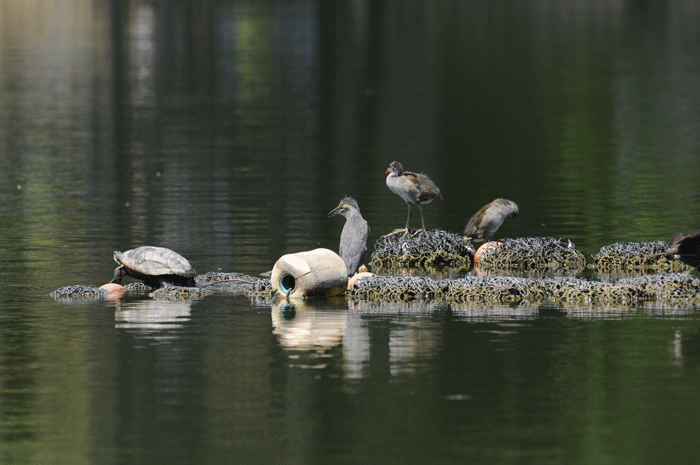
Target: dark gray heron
[354, 240]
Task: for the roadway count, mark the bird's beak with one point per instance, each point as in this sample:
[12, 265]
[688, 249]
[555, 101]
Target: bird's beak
[388, 170]
[335, 211]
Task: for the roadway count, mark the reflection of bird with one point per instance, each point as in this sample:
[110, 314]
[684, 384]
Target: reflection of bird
[686, 248]
[413, 188]
[486, 221]
[354, 240]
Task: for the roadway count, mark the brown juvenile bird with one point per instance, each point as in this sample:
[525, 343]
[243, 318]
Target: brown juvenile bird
[686, 248]
[414, 188]
[484, 224]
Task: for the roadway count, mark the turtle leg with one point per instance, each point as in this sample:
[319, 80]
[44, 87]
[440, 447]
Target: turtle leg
[119, 272]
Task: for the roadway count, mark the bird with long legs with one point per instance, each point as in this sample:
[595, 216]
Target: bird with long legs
[413, 188]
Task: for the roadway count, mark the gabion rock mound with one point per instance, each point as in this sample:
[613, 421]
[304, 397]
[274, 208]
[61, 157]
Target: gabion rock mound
[503, 289]
[436, 248]
[379, 288]
[667, 287]
[179, 293]
[261, 288]
[207, 284]
[220, 277]
[138, 286]
[69, 293]
[636, 256]
[234, 282]
[533, 253]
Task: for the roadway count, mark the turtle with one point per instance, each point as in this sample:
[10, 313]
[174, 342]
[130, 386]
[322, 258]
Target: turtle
[156, 266]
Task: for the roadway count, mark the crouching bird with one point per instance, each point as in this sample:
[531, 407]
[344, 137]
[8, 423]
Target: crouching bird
[484, 224]
[685, 248]
[354, 240]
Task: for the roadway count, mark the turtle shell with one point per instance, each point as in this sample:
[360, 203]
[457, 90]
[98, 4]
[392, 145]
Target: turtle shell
[155, 264]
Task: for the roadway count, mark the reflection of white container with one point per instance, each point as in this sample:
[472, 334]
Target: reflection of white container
[306, 325]
[316, 272]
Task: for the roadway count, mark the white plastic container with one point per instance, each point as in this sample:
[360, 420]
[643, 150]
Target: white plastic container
[314, 273]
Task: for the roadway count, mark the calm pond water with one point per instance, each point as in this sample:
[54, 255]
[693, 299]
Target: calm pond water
[227, 130]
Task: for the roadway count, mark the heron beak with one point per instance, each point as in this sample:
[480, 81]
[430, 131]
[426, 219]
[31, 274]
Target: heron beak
[335, 211]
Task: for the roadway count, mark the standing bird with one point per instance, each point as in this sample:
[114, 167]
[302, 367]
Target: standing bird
[413, 188]
[354, 240]
[686, 248]
[484, 224]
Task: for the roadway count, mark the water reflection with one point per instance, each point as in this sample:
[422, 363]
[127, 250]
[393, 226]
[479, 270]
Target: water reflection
[310, 330]
[684, 348]
[478, 312]
[152, 318]
[675, 350]
[398, 334]
[226, 130]
[308, 325]
[407, 336]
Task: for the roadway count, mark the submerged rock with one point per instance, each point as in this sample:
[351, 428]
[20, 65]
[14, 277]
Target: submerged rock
[261, 288]
[79, 292]
[504, 289]
[179, 293]
[207, 284]
[220, 277]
